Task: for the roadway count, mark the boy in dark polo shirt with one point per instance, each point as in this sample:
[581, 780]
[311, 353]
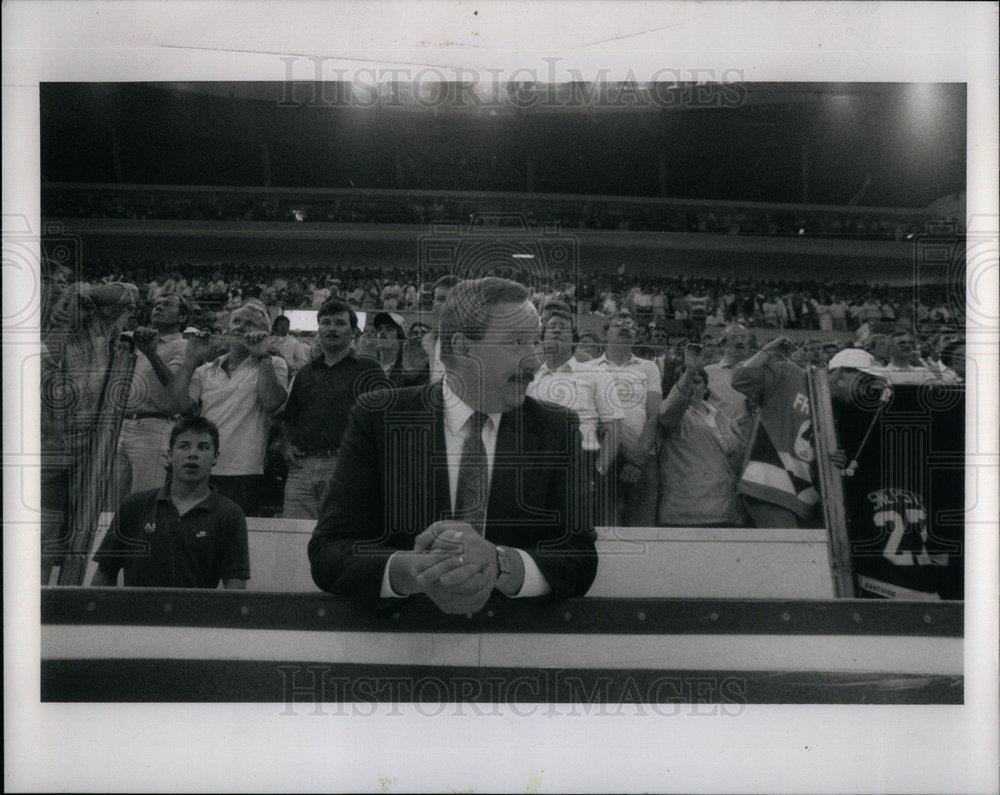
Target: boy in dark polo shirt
[183, 535]
[315, 415]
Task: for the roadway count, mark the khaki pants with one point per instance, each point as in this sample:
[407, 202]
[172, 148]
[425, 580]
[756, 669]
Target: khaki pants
[143, 455]
[306, 486]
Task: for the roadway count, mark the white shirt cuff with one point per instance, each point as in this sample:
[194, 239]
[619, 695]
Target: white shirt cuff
[534, 583]
[387, 592]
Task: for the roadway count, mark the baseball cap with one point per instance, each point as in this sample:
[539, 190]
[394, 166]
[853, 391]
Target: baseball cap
[390, 318]
[854, 359]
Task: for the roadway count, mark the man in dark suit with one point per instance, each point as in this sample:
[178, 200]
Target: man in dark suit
[459, 489]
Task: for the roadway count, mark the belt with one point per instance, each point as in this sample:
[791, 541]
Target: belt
[147, 415]
[329, 453]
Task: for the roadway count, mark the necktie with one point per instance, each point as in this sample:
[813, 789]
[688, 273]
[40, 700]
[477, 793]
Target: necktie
[473, 490]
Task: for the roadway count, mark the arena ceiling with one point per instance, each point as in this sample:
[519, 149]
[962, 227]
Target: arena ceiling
[892, 145]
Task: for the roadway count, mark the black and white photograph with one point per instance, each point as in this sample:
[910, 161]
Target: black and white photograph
[500, 412]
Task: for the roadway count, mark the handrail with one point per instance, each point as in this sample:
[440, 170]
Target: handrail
[320, 612]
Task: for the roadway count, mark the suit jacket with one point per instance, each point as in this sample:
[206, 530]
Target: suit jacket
[391, 483]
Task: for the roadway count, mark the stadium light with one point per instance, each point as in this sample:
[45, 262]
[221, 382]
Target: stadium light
[923, 106]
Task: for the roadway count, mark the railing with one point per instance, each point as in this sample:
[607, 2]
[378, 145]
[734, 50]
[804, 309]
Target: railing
[335, 205]
[110, 644]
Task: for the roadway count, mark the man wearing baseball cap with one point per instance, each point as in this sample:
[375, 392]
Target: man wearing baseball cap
[403, 359]
[849, 369]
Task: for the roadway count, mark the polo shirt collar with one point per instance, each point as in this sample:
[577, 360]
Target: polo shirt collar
[457, 411]
[207, 504]
[320, 361]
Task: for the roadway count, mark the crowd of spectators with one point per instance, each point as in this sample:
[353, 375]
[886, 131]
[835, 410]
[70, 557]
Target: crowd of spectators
[219, 288]
[583, 212]
[686, 419]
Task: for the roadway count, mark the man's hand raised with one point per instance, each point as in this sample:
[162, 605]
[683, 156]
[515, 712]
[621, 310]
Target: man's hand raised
[258, 344]
[414, 356]
[197, 349]
[692, 356]
[781, 346]
[144, 338]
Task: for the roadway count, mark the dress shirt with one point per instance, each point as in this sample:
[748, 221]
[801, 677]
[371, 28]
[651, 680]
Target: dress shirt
[456, 418]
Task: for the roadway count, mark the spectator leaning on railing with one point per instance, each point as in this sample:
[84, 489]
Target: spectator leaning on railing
[375, 542]
[183, 534]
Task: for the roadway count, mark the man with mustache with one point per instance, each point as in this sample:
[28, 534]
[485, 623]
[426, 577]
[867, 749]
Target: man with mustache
[465, 491]
[315, 416]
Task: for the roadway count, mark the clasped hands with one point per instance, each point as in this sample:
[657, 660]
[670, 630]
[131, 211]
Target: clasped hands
[451, 563]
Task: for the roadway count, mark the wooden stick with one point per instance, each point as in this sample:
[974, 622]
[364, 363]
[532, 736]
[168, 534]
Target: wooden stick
[831, 487]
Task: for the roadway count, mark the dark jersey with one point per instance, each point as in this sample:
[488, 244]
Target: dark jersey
[905, 501]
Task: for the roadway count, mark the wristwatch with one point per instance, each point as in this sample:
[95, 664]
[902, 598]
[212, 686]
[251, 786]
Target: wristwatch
[503, 562]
